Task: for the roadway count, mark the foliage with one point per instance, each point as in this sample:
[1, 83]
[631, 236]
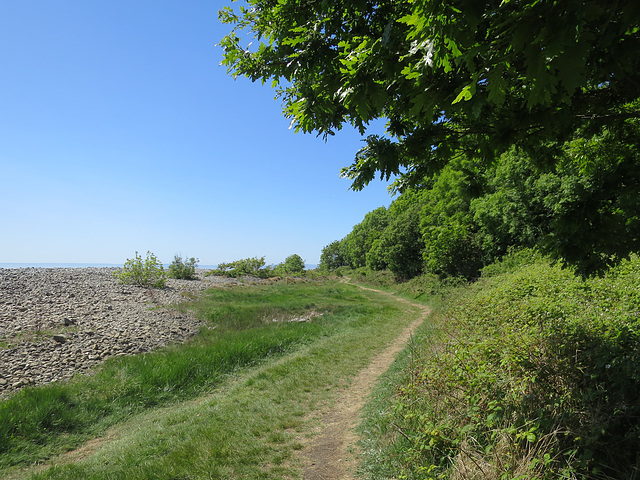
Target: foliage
[534, 375]
[248, 266]
[400, 246]
[147, 273]
[465, 77]
[514, 259]
[583, 210]
[292, 265]
[580, 210]
[359, 241]
[450, 237]
[183, 269]
[332, 256]
[428, 229]
[556, 84]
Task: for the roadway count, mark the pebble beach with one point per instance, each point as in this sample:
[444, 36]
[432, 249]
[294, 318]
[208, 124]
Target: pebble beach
[56, 322]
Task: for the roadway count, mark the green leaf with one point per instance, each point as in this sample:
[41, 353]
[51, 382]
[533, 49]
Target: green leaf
[410, 73]
[466, 94]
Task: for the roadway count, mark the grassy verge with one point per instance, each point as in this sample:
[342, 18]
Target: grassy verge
[252, 382]
[532, 374]
[427, 289]
[382, 452]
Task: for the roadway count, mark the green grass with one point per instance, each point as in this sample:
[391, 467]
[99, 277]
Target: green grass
[233, 403]
[426, 289]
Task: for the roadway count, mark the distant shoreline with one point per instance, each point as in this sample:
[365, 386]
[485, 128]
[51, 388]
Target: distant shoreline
[98, 265]
[78, 265]
[59, 265]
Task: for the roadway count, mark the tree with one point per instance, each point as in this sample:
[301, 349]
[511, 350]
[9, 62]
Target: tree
[183, 269]
[450, 77]
[452, 246]
[332, 257]
[293, 264]
[462, 79]
[401, 244]
[359, 241]
[254, 266]
[583, 210]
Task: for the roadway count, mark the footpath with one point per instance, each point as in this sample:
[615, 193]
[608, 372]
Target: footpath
[333, 455]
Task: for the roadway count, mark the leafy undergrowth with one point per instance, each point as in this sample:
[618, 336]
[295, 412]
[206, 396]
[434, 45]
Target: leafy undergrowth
[40, 422]
[534, 374]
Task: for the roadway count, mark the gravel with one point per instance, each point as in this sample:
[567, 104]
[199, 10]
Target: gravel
[56, 322]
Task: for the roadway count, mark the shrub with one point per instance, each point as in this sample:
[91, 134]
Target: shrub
[293, 265]
[247, 266]
[332, 256]
[183, 269]
[147, 273]
[536, 378]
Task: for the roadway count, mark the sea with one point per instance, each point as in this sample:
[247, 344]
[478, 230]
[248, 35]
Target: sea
[75, 265]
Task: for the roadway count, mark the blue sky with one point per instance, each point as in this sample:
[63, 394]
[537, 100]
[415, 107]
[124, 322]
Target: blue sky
[120, 132]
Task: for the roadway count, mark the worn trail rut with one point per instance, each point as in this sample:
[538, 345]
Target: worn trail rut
[333, 455]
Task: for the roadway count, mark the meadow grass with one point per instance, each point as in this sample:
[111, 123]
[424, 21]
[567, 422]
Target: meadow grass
[233, 403]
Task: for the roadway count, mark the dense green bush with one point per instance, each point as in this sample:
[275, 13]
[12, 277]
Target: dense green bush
[451, 243]
[332, 257]
[183, 269]
[147, 273]
[583, 211]
[293, 265]
[400, 245]
[536, 376]
[255, 267]
[358, 242]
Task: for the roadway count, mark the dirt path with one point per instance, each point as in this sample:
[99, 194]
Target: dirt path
[332, 455]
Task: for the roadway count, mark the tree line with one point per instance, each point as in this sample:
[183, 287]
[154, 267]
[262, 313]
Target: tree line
[581, 210]
[508, 123]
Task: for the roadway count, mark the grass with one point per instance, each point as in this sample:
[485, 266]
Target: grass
[383, 451]
[427, 289]
[233, 403]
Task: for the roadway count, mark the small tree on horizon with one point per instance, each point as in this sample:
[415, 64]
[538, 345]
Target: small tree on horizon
[332, 256]
[183, 269]
[293, 264]
[146, 273]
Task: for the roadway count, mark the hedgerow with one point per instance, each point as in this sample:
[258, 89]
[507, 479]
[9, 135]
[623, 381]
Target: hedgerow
[536, 376]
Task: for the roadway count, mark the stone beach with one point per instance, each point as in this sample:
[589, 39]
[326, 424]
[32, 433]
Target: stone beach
[56, 322]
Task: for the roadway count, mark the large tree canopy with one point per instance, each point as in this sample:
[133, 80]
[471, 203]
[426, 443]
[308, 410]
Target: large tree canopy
[450, 77]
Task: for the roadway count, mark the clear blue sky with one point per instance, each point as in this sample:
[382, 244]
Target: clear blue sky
[120, 132]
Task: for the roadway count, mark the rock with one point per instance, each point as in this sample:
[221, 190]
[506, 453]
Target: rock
[114, 319]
